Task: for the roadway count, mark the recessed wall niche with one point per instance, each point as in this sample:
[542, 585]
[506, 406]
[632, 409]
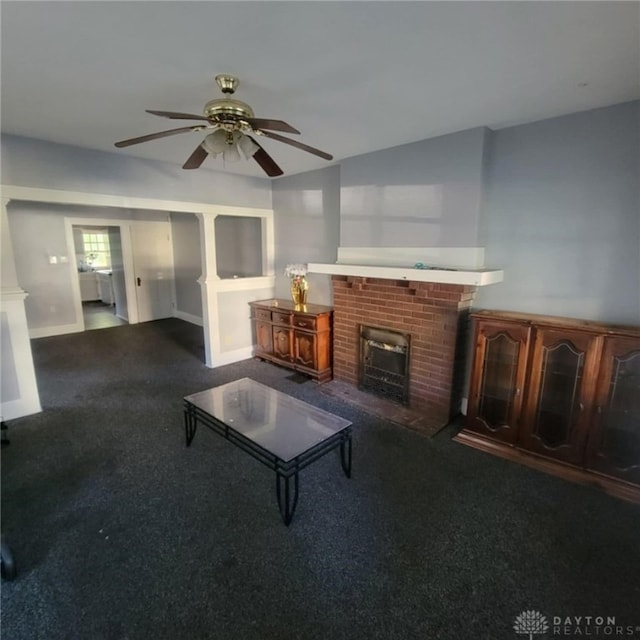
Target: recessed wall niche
[238, 246]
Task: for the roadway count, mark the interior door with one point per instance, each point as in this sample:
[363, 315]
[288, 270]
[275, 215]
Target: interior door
[153, 269]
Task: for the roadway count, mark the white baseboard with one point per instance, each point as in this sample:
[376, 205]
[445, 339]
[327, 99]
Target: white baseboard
[187, 317]
[46, 332]
[21, 407]
[220, 359]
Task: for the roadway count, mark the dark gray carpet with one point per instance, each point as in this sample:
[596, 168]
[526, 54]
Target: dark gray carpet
[121, 532]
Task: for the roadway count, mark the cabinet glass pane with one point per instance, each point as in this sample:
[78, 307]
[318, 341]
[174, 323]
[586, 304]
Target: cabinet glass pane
[621, 419]
[558, 402]
[498, 380]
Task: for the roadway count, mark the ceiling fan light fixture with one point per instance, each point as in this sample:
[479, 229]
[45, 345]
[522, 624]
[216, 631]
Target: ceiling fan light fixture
[231, 153]
[216, 142]
[230, 124]
[247, 146]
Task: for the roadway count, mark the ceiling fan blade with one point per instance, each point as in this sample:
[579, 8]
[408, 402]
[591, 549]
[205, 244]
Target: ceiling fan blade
[299, 145]
[174, 115]
[267, 163]
[196, 158]
[274, 125]
[154, 136]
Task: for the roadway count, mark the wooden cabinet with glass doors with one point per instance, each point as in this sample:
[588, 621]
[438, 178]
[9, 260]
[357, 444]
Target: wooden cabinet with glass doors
[558, 394]
[614, 440]
[498, 379]
[560, 391]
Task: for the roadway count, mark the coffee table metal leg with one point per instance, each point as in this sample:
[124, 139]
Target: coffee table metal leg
[345, 455]
[287, 499]
[190, 425]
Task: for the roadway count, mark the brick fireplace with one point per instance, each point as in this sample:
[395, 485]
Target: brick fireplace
[433, 314]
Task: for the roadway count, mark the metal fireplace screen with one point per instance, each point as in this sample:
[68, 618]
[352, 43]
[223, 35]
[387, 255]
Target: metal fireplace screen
[384, 363]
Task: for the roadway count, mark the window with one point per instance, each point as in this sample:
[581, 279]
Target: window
[97, 253]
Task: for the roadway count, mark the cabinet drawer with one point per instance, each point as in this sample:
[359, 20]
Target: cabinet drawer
[304, 322]
[262, 314]
[281, 318]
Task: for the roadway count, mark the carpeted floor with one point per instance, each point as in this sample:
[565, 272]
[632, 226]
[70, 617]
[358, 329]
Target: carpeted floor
[122, 533]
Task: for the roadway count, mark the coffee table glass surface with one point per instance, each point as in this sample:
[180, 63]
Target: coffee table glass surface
[282, 432]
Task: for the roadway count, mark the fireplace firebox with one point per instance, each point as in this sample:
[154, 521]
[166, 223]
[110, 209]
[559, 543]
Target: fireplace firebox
[384, 363]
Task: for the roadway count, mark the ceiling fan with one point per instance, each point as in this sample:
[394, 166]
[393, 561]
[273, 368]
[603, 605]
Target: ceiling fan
[232, 125]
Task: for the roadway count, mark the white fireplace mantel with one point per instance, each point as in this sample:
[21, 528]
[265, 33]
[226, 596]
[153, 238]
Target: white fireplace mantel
[443, 265]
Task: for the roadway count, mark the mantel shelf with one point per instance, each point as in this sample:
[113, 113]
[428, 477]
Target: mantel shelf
[476, 277]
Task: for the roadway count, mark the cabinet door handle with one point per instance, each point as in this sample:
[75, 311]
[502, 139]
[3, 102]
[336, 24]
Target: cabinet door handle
[581, 406]
[302, 324]
[138, 281]
[517, 392]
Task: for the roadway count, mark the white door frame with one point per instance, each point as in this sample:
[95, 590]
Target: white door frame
[127, 259]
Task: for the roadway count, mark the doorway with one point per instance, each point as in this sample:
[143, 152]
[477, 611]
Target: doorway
[100, 272]
[141, 268]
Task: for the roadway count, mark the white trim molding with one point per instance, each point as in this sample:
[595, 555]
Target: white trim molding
[447, 265]
[58, 330]
[17, 359]
[188, 317]
[56, 196]
[18, 386]
[477, 278]
[211, 285]
[469, 258]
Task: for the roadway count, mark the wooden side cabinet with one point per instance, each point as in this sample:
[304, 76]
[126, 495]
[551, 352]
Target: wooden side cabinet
[298, 337]
[558, 394]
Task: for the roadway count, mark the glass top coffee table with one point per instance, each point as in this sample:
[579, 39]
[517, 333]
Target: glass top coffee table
[283, 433]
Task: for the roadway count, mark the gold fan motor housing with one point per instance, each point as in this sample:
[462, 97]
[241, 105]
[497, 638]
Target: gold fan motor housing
[227, 109]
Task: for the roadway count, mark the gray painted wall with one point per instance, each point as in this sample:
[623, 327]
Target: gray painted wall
[238, 246]
[37, 232]
[307, 227]
[563, 216]
[424, 194]
[185, 233]
[555, 203]
[34, 163]
[561, 213]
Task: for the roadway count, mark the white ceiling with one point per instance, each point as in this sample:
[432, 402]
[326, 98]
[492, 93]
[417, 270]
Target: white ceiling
[354, 77]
